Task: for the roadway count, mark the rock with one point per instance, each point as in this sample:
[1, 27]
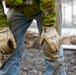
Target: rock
[32, 40]
[65, 40]
[73, 39]
[70, 40]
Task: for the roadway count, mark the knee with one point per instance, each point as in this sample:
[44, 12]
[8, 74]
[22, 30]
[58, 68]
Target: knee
[53, 55]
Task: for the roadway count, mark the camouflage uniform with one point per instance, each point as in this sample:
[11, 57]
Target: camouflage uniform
[34, 6]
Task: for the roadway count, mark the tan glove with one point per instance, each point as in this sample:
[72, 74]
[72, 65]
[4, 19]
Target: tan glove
[51, 37]
[8, 46]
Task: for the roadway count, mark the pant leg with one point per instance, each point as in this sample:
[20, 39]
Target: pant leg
[38, 18]
[54, 66]
[18, 26]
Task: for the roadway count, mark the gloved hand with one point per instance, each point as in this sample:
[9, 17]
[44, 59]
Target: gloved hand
[51, 37]
[8, 46]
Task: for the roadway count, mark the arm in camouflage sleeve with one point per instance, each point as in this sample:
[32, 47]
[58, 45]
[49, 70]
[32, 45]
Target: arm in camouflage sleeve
[48, 12]
[49, 36]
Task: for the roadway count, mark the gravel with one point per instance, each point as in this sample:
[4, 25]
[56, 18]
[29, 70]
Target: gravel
[33, 62]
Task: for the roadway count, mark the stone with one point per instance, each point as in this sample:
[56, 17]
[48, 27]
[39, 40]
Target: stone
[32, 40]
[69, 40]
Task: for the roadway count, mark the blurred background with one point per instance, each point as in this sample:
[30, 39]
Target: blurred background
[69, 23]
[33, 52]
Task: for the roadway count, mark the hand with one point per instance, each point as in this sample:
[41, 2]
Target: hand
[51, 37]
[8, 46]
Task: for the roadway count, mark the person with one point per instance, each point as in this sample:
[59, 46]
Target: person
[20, 16]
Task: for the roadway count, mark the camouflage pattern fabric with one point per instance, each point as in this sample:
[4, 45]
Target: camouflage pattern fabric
[35, 6]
